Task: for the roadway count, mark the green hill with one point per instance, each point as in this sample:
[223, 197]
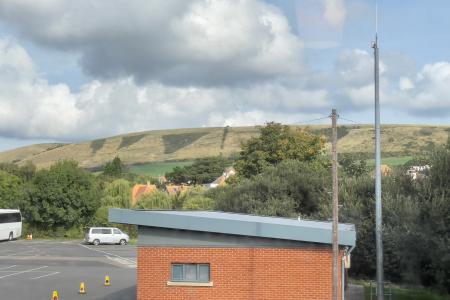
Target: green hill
[187, 144]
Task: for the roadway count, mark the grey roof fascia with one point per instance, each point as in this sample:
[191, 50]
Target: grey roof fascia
[236, 224]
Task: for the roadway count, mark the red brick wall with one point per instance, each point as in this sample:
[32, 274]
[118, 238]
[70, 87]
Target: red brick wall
[239, 273]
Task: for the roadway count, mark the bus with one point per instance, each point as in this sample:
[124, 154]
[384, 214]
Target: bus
[10, 224]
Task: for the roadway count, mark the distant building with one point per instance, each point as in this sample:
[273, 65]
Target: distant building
[385, 171]
[172, 189]
[204, 255]
[418, 172]
[141, 189]
[220, 181]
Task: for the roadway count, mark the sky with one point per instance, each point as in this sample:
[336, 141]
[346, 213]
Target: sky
[72, 71]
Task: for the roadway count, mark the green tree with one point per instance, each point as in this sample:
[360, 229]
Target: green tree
[276, 143]
[287, 189]
[63, 196]
[353, 165]
[26, 171]
[114, 168]
[154, 200]
[203, 170]
[11, 195]
[117, 194]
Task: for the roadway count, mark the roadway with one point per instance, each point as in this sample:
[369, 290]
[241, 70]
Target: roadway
[32, 270]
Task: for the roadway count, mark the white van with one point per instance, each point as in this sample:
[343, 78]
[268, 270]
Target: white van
[106, 235]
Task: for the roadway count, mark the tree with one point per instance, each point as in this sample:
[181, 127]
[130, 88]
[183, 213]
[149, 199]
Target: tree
[353, 165]
[203, 170]
[276, 143]
[11, 195]
[63, 196]
[26, 172]
[117, 194]
[287, 189]
[193, 199]
[114, 168]
[155, 200]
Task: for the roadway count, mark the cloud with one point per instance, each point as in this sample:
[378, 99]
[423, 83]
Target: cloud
[30, 107]
[178, 42]
[335, 12]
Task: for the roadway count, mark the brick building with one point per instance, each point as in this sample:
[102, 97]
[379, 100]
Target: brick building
[198, 255]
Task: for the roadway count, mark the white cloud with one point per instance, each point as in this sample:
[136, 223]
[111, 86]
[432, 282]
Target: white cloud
[405, 84]
[176, 42]
[335, 12]
[30, 107]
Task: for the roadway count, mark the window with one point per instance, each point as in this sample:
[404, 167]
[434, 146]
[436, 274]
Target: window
[106, 231]
[117, 231]
[191, 272]
[96, 231]
[10, 218]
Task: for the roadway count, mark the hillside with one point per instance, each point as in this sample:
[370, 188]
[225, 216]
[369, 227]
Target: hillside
[188, 144]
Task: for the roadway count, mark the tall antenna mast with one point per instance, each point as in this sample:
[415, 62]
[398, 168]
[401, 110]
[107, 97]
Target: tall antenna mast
[378, 206]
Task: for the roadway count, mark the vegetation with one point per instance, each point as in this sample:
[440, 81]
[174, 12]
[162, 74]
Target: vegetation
[97, 145]
[114, 168]
[282, 173]
[409, 294]
[174, 142]
[158, 168]
[64, 196]
[129, 140]
[202, 171]
[276, 143]
[391, 161]
[189, 144]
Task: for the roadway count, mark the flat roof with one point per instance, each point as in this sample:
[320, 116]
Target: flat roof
[7, 211]
[237, 224]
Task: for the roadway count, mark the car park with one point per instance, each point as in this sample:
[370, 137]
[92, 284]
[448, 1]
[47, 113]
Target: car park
[106, 235]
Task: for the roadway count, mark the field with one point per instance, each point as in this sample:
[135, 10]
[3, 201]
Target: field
[148, 147]
[157, 168]
[391, 161]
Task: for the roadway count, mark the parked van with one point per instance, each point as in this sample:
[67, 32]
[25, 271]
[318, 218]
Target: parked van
[106, 235]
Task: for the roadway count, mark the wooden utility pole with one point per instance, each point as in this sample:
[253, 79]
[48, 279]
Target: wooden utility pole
[335, 272]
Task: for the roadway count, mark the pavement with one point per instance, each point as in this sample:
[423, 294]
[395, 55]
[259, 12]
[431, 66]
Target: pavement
[354, 292]
[32, 270]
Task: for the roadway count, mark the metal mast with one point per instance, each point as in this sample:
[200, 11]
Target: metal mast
[378, 207]
[335, 272]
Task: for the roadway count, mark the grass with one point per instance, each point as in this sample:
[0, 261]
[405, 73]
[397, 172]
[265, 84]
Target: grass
[158, 168]
[191, 143]
[129, 140]
[174, 142]
[409, 294]
[97, 145]
[391, 161]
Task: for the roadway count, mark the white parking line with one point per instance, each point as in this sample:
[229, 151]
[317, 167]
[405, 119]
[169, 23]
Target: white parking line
[4, 268]
[54, 273]
[109, 254]
[21, 272]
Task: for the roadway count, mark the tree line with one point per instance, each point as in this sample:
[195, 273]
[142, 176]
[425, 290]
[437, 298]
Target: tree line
[283, 172]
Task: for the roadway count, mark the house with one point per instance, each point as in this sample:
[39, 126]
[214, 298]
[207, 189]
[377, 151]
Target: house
[418, 172]
[172, 189]
[206, 255]
[385, 171]
[140, 189]
[220, 181]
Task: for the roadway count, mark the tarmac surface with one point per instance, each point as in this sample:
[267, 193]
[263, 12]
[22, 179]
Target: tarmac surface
[32, 270]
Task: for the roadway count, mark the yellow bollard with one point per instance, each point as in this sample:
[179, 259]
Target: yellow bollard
[55, 295]
[82, 288]
[107, 281]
